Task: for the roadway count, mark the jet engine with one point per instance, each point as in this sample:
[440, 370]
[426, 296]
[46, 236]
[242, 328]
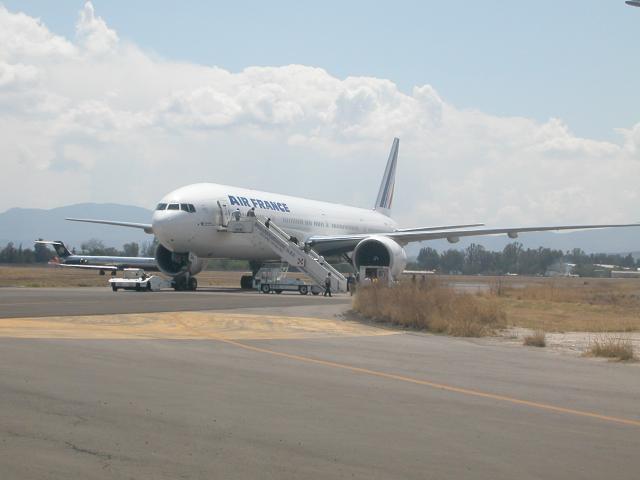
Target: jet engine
[381, 252]
[177, 264]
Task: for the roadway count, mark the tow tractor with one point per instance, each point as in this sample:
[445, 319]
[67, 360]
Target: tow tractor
[272, 277]
[137, 279]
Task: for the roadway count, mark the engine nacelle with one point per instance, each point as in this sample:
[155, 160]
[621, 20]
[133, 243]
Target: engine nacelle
[382, 252]
[176, 264]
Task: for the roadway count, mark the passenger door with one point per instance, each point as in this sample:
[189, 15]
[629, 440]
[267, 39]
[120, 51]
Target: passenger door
[223, 214]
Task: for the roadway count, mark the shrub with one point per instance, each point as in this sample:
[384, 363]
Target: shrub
[613, 347]
[536, 339]
[431, 307]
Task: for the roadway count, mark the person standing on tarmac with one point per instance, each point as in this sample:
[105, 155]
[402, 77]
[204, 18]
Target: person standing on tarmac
[351, 284]
[327, 285]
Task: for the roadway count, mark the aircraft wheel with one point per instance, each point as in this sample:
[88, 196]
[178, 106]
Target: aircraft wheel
[303, 289]
[246, 282]
[180, 284]
[193, 284]
[278, 291]
[265, 288]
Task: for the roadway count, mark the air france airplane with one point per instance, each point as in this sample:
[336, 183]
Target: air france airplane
[190, 225]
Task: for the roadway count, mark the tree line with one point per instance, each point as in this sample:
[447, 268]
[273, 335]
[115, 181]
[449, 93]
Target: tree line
[514, 258]
[473, 260]
[42, 253]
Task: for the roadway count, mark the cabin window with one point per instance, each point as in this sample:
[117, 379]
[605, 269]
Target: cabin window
[161, 206]
[173, 206]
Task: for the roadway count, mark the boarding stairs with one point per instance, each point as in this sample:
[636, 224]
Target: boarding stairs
[289, 250]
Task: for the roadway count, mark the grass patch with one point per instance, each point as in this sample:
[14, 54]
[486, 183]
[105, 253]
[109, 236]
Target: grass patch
[536, 339]
[433, 307]
[610, 346]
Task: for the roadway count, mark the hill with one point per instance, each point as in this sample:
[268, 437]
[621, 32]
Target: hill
[24, 225]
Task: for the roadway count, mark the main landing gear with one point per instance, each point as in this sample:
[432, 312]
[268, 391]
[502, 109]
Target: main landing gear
[185, 282]
[246, 281]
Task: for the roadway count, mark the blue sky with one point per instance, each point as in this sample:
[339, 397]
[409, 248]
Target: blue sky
[575, 60]
[509, 113]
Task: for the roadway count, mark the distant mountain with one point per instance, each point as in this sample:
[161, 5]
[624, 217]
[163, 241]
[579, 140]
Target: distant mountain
[24, 225]
[606, 240]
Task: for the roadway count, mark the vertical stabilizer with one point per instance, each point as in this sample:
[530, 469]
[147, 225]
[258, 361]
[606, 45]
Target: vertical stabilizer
[58, 246]
[385, 194]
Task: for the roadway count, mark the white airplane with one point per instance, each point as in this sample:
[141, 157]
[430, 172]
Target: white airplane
[101, 263]
[190, 225]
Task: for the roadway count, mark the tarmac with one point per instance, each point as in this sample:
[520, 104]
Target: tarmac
[284, 386]
[43, 302]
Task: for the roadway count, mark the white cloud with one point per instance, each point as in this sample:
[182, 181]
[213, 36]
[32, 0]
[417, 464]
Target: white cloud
[96, 119]
[92, 32]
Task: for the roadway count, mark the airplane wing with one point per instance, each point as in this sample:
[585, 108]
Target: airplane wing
[88, 267]
[346, 243]
[445, 227]
[147, 227]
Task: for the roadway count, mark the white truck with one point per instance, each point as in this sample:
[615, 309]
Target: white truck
[137, 279]
[272, 277]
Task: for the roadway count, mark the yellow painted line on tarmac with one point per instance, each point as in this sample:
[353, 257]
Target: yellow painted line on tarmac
[228, 328]
[183, 325]
[436, 385]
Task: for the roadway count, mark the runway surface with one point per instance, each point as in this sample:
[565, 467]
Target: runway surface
[42, 302]
[271, 393]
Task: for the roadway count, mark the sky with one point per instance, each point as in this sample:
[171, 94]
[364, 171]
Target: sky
[508, 112]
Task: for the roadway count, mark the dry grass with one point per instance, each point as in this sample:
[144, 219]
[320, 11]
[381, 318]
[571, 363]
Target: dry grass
[593, 305]
[560, 304]
[434, 307]
[611, 346]
[51, 276]
[536, 339]
[606, 292]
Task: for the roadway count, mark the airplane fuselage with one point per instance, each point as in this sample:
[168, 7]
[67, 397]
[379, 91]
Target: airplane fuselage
[121, 262]
[191, 219]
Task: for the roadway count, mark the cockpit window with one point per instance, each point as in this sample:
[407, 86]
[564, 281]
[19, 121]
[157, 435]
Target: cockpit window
[174, 206]
[161, 206]
[184, 207]
[192, 209]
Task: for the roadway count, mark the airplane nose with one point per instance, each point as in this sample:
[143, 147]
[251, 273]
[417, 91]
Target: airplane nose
[171, 230]
[163, 227]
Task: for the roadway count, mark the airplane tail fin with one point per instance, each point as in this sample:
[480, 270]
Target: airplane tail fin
[61, 250]
[385, 194]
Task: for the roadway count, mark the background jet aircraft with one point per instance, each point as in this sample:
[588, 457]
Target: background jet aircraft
[633, 3]
[102, 263]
